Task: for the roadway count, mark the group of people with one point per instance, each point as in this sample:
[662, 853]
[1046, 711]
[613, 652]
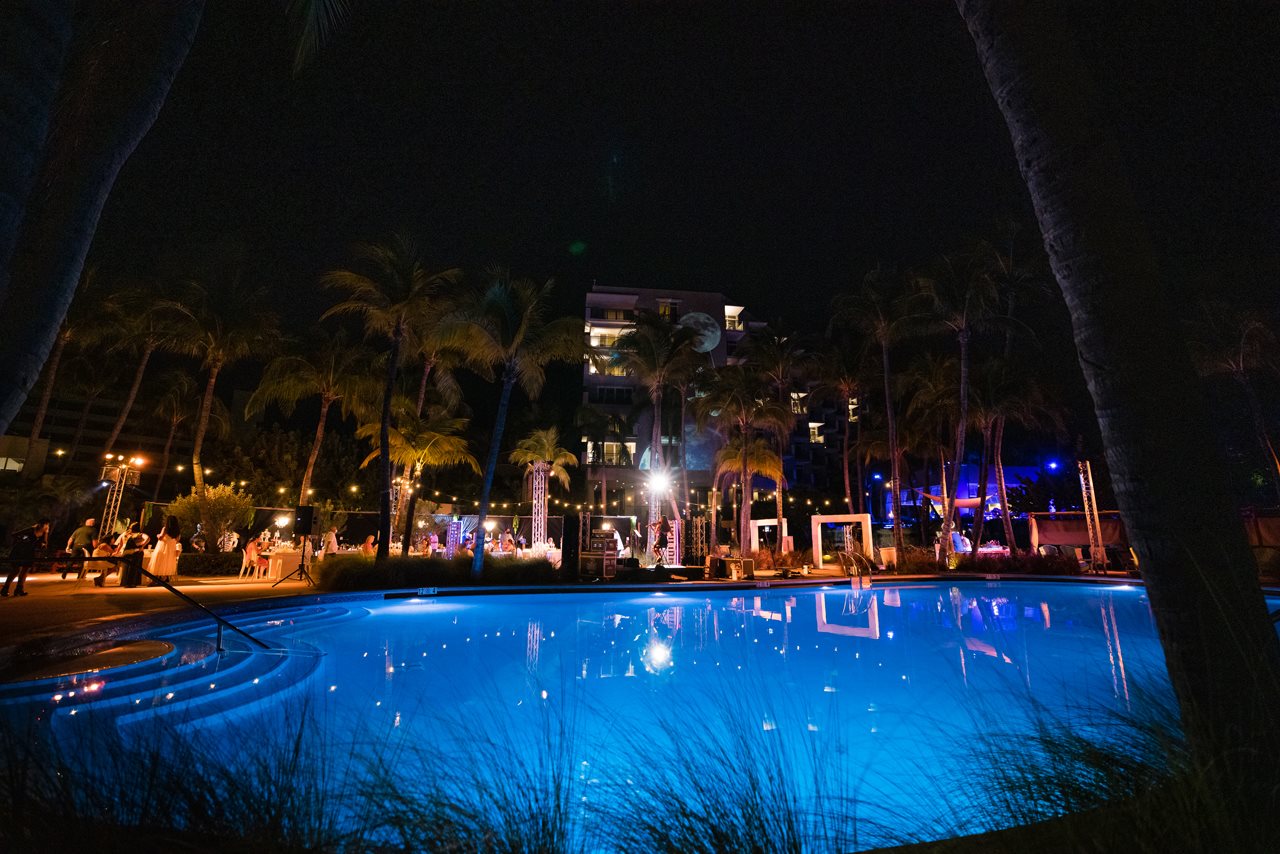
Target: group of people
[92, 550]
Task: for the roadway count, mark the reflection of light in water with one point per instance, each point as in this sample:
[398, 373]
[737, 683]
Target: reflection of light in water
[657, 657]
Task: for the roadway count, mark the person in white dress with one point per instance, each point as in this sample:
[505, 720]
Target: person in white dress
[164, 560]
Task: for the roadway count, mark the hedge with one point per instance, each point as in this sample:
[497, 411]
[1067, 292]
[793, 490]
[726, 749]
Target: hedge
[354, 572]
[206, 563]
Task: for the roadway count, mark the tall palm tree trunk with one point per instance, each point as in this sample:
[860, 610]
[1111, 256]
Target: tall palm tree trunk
[491, 466]
[744, 509]
[950, 521]
[410, 509]
[325, 403]
[979, 512]
[427, 365]
[858, 463]
[119, 70]
[129, 400]
[50, 377]
[895, 464]
[684, 454]
[384, 446]
[1220, 646]
[79, 433]
[164, 459]
[1006, 517]
[202, 425]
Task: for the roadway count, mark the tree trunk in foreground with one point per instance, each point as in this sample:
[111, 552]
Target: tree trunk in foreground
[123, 59]
[491, 466]
[950, 517]
[980, 512]
[1221, 649]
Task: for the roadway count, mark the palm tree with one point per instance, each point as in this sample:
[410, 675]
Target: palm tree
[179, 404]
[652, 352]
[961, 299]
[420, 443]
[1228, 341]
[873, 313]
[543, 458]
[78, 325]
[739, 461]
[145, 326]
[89, 374]
[839, 370]
[504, 328]
[778, 358]
[223, 321]
[393, 292]
[742, 406]
[329, 368]
[1221, 648]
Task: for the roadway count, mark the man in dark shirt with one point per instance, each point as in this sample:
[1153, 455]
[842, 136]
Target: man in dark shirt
[23, 552]
[81, 543]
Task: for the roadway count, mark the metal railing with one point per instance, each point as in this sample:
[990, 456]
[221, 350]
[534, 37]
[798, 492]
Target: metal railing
[136, 563]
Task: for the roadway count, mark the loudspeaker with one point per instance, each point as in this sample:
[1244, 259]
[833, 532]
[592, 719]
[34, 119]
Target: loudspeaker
[305, 523]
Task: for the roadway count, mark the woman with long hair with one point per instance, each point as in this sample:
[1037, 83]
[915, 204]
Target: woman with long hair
[164, 560]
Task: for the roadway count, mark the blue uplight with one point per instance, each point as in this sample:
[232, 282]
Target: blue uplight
[1053, 465]
[877, 477]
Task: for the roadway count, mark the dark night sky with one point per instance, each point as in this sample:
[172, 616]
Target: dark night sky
[773, 154]
[773, 151]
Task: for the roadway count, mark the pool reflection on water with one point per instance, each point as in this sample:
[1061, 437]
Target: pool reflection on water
[894, 693]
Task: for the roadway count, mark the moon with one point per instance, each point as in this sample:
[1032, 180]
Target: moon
[708, 331]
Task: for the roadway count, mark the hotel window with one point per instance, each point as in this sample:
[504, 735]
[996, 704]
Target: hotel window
[12, 464]
[853, 410]
[732, 322]
[815, 433]
[798, 402]
[667, 309]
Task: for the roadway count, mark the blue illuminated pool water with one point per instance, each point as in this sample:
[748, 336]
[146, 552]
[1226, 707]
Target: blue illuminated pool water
[887, 698]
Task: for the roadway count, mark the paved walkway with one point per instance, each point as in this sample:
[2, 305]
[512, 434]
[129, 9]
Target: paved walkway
[58, 607]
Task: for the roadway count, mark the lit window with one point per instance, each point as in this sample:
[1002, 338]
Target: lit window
[853, 410]
[667, 310]
[815, 433]
[798, 399]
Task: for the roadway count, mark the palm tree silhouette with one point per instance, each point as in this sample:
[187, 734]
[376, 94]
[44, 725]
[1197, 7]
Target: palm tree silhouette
[328, 367]
[504, 328]
[392, 293]
[223, 320]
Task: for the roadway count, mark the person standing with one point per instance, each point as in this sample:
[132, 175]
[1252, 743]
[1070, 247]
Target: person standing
[330, 546]
[23, 553]
[81, 543]
[662, 530]
[164, 560]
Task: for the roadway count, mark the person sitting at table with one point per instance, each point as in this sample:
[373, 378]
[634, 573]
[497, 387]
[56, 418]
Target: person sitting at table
[253, 557]
[368, 549]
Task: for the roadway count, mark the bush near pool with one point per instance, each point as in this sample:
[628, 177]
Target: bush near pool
[206, 563]
[354, 572]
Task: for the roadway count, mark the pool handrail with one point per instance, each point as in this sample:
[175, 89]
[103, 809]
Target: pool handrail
[221, 622]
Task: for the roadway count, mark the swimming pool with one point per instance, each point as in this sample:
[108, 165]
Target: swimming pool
[886, 705]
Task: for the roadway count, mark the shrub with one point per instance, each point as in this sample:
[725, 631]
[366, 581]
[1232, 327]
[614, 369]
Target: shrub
[204, 564]
[916, 561]
[1021, 564]
[220, 509]
[354, 572]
